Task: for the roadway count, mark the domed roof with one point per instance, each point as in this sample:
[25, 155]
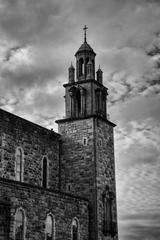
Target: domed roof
[85, 47]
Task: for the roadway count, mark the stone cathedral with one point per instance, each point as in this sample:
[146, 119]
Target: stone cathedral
[61, 186]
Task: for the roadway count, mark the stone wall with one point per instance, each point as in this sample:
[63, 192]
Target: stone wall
[77, 158]
[36, 142]
[78, 163]
[105, 171]
[37, 203]
[89, 167]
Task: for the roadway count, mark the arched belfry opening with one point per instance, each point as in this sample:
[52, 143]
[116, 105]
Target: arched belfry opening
[81, 67]
[77, 101]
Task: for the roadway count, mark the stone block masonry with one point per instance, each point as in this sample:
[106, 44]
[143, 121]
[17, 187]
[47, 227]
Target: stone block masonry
[37, 203]
[88, 166]
[36, 143]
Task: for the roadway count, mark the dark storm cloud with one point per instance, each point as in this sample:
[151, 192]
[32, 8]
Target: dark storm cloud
[22, 20]
[10, 52]
[28, 76]
[130, 89]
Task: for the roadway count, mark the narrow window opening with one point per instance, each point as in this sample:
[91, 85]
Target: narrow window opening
[81, 67]
[49, 228]
[84, 141]
[100, 142]
[86, 61]
[19, 225]
[108, 225]
[69, 187]
[44, 173]
[19, 165]
[75, 230]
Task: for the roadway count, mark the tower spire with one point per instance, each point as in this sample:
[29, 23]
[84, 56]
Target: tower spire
[85, 29]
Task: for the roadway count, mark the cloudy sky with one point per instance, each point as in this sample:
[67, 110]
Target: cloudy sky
[38, 41]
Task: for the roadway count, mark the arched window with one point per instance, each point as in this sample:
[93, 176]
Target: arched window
[108, 215]
[81, 67]
[107, 212]
[75, 229]
[50, 227]
[19, 164]
[20, 225]
[44, 172]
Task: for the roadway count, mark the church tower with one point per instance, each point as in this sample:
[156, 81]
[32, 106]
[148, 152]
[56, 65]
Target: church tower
[87, 166]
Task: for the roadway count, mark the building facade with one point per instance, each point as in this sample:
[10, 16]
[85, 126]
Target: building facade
[57, 186]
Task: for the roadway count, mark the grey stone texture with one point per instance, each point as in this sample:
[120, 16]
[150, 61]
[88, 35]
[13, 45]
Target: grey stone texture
[36, 143]
[89, 168]
[105, 166]
[36, 201]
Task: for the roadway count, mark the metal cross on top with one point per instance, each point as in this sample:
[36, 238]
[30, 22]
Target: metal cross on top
[85, 29]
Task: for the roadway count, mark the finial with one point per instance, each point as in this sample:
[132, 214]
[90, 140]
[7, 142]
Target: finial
[71, 66]
[85, 29]
[99, 69]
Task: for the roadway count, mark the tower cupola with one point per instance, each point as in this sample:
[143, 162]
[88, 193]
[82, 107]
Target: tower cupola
[84, 55]
[85, 96]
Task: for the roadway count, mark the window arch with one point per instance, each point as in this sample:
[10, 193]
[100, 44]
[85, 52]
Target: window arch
[50, 227]
[81, 67]
[20, 221]
[19, 164]
[75, 229]
[44, 172]
[108, 197]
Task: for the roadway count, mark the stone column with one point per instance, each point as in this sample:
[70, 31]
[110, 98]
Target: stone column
[72, 106]
[100, 101]
[82, 92]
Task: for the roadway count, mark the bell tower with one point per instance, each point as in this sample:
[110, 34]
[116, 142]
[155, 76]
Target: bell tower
[86, 96]
[87, 166]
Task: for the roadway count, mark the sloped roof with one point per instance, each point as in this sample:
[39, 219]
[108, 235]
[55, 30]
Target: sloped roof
[85, 47]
